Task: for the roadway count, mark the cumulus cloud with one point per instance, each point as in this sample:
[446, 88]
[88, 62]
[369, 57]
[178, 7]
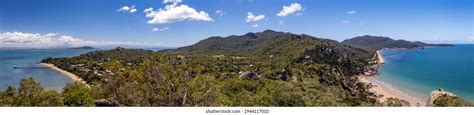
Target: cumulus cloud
[220, 12]
[171, 1]
[287, 10]
[253, 18]
[351, 12]
[128, 9]
[346, 21]
[160, 29]
[36, 40]
[174, 13]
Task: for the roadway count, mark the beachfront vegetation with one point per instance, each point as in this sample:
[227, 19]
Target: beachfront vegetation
[450, 101]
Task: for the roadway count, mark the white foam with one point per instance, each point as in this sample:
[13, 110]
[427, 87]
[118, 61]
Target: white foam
[390, 88]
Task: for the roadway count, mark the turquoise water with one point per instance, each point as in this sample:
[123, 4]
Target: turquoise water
[418, 72]
[48, 78]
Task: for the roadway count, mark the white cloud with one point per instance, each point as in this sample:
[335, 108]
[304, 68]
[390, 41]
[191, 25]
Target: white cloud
[173, 13]
[287, 10]
[148, 10]
[255, 25]
[346, 21]
[133, 10]
[220, 12]
[128, 9]
[160, 29]
[351, 12]
[253, 18]
[20, 39]
[171, 1]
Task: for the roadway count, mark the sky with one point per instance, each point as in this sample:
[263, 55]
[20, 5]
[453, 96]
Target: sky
[176, 23]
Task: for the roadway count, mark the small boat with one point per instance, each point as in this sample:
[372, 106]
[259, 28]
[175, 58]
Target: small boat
[15, 67]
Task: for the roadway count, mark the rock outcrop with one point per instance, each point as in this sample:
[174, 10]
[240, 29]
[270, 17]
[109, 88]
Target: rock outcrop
[106, 102]
[249, 75]
[435, 94]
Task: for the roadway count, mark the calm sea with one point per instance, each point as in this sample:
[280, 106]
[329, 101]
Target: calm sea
[48, 78]
[418, 72]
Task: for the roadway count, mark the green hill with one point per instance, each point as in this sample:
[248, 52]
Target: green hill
[373, 43]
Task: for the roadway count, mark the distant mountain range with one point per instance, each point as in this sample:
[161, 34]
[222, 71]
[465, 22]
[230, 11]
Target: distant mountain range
[82, 47]
[373, 43]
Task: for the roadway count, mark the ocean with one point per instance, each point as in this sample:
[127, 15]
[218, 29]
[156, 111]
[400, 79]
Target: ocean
[49, 78]
[418, 72]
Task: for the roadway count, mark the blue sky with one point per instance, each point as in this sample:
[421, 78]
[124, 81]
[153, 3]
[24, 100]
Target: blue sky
[102, 21]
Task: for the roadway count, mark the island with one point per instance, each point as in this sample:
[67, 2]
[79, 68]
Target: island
[82, 47]
[268, 68]
[374, 43]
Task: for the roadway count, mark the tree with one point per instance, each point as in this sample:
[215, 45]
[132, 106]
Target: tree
[51, 98]
[29, 92]
[204, 91]
[77, 94]
[450, 101]
[8, 97]
[395, 102]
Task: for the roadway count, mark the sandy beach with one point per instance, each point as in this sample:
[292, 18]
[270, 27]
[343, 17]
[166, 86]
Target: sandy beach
[390, 92]
[380, 60]
[387, 91]
[66, 73]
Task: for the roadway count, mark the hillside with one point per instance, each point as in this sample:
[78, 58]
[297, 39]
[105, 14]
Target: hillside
[268, 42]
[373, 43]
[256, 69]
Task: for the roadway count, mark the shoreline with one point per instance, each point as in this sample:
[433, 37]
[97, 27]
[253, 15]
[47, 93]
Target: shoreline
[390, 92]
[70, 75]
[386, 91]
[380, 59]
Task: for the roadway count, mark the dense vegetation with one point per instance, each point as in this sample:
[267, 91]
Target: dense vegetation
[31, 93]
[256, 69]
[450, 101]
[378, 42]
[395, 102]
